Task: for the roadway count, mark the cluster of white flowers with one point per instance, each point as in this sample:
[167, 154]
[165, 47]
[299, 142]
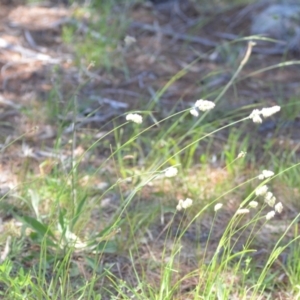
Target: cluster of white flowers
[257, 117]
[136, 118]
[202, 105]
[257, 114]
[265, 174]
[269, 198]
[171, 172]
[183, 204]
[278, 208]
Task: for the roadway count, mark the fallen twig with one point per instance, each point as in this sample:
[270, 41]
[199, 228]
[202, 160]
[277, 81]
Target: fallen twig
[113, 103]
[7, 102]
[27, 53]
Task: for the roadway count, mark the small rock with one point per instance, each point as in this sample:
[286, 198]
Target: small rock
[281, 22]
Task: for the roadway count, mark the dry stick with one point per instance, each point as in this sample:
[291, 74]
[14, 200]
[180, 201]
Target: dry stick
[115, 104]
[243, 62]
[86, 120]
[6, 250]
[248, 53]
[280, 46]
[10, 103]
[27, 53]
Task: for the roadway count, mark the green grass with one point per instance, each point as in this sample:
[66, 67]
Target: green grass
[100, 222]
[97, 43]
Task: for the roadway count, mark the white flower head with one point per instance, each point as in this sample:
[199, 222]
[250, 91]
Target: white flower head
[270, 199]
[255, 116]
[270, 215]
[204, 105]
[129, 40]
[261, 177]
[242, 211]
[265, 174]
[218, 206]
[171, 172]
[261, 191]
[242, 154]
[194, 112]
[184, 204]
[267, 112]
[187, 203]
[179, 205]
[279, 207]
[253, 204]
[136, 118]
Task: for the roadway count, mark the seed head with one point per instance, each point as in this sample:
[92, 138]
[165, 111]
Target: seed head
[194, 112]
[267, 112]
[136, 118]
[242, 211]
[270, 199]
[253, 204]
[242, 154]
[184, 204]
[187, 203]
[179, 205]
[261, 191]
[204, 105]
[255, 116]
[171, 172]
[129, 40]
[265, 174]
[218, 206]
[270, 215]
[279, 207]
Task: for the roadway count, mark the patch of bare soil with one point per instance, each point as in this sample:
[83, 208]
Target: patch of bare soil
[29, 49]
[169, 38]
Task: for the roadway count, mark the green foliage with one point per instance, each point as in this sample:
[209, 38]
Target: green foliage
[14, 286]
[98, 43]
